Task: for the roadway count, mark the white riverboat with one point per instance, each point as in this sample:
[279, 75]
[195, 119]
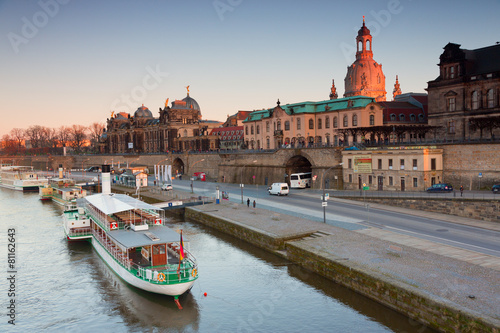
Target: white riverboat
[61, 190]
[21, 178]
[131, 237]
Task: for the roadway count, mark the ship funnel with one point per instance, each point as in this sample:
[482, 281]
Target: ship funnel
[60, 171]
[106, 179]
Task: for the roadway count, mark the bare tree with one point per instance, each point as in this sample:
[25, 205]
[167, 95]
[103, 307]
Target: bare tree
[63, 135]
[51, 137]
[96, 130]
[78, 137]
[17, 134]
[34, 134]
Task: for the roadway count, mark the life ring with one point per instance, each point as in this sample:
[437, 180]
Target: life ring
[194, 272]
[161, 277]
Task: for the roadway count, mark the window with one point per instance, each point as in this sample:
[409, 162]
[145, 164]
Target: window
[287, 125]
[475, 100]
[415, 182]
[251, 129]
[349, 163]
[452, 72]
[372, 120]
[433, 164]
[393, 117]
[258, 129]
[335, 122]
[402, 117]
[354, 120]
[391, 181]
[490, 99]
[421, 118]
[413, 118]
[450, 104]
[278, 125]
[350, 178]
[320, 125]
[246, 130]
[267, 143]
[327, 122]
[298, 123]
[380, 163]
[390, 163]
[402, 164]
[267, 126]
[370, 179]
[346, 121]
[311, 124]
[451, 127]
[415, 163]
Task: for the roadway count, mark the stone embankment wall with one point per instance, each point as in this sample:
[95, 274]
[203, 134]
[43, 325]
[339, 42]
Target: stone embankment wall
[486, 210]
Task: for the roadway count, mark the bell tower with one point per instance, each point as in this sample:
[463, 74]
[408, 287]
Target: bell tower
[364, 43]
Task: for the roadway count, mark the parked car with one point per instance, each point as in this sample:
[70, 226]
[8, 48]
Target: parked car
[440, 188]
[167, 187]
[279, 189]
[496, 188]
[93, 169]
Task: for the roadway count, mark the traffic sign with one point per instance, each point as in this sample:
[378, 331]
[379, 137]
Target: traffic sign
[480, 174]
[366, 188]
[324, 204]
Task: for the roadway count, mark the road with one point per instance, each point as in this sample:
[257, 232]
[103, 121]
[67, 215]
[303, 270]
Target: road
[353, 215]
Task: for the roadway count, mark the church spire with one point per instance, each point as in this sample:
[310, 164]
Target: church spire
[333, 91]
[397, 89]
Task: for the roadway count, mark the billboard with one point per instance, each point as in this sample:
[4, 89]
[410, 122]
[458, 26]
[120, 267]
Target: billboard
[362, 164]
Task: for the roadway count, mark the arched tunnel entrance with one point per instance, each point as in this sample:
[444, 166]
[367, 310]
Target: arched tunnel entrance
[297, 164]
[177, 167]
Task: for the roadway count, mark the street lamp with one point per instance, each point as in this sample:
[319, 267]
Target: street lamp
[241, 179]
[323, 199]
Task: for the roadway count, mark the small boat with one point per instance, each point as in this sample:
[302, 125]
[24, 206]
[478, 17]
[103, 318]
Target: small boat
[21, 178]
[132, 239]
[61, 190]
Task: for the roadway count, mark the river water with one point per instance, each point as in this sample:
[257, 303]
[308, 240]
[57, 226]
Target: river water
[61, 286]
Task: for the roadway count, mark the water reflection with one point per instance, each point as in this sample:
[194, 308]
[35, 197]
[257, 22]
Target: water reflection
[139, 309]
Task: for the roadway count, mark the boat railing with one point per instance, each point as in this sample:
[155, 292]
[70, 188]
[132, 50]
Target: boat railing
[79, 232]
[115, 252]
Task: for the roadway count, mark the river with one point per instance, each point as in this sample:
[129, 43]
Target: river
[61, 286]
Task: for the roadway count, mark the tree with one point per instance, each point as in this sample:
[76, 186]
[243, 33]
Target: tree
[17, 134]
[34, 134]
[96, 130]
[78, 137]
[63, 134]
[51, 137]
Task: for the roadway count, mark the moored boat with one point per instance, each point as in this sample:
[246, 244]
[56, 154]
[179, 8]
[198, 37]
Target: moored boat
[21, 178]
[132, 238]
[61, 190]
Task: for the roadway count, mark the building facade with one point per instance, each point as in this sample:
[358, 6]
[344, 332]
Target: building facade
[464, 100]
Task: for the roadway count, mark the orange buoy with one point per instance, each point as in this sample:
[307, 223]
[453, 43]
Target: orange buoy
[205, 294]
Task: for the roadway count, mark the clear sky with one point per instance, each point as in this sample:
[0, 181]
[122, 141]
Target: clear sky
[65, 62]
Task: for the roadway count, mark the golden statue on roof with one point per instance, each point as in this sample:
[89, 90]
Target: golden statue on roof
[166, 103]
[112, 113]
[187, 89]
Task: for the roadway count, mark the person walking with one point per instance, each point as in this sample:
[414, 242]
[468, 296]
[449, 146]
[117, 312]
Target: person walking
[248, 202]
[254, 204]
[461, 190]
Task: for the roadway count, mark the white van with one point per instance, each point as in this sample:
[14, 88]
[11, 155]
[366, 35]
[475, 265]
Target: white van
[279, 189]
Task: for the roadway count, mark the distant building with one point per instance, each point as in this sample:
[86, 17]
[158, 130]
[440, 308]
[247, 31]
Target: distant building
[236, 119]
[230, 138]
[178, 128]
[464, 99]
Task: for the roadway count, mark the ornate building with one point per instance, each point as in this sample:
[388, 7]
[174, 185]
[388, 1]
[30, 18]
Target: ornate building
[365, 77]
[464, 100]
[179, 127]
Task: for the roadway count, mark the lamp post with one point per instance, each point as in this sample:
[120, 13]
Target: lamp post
[241, 179]
[323, 199]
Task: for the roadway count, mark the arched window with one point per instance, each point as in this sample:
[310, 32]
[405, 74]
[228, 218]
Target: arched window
[421, 118]
[327, 122]
[298, 123]
[354, 120]
[287, 125]
[372, 120]
[393, 117]
[185, 133]
[251, 130]
[320, 125]
[346, 121]
[311, 124]
[413, 118]
[246, 130]
[278, 125]
[490, 98]
[402, 117]
[335, 122]
[258, 129]
[267, 126]
[475, 100]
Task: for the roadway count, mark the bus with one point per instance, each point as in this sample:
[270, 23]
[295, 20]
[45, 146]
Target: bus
[300, 180]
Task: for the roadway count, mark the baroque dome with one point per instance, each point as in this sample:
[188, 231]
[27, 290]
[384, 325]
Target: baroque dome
[143, 112]
[191, 103]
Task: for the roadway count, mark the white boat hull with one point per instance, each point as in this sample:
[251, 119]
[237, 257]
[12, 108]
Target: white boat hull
[170, 289]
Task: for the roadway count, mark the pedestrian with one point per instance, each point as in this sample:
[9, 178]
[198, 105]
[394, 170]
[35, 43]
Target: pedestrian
[254, 204]
[461, 190]
[248, 202]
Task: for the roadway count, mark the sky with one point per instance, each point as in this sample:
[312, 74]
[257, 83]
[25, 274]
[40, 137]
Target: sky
[65, 62]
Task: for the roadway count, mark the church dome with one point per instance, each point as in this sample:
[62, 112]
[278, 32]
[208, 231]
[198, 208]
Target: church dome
[191, 103]
[143, 112]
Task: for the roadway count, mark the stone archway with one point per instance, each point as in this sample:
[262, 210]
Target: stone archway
[296, 164]
[177, 167]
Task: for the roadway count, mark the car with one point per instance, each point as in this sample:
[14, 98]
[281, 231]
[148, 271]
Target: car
[496, 188]
[440, 188]
[93, 169]
[167, 187]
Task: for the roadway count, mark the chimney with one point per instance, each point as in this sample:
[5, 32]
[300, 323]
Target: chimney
[60, 171]
[106, 179]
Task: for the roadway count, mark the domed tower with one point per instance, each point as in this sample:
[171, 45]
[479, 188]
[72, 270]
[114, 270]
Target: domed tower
[365, 77]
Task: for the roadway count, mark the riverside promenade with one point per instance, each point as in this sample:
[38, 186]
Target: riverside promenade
[443, 287]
